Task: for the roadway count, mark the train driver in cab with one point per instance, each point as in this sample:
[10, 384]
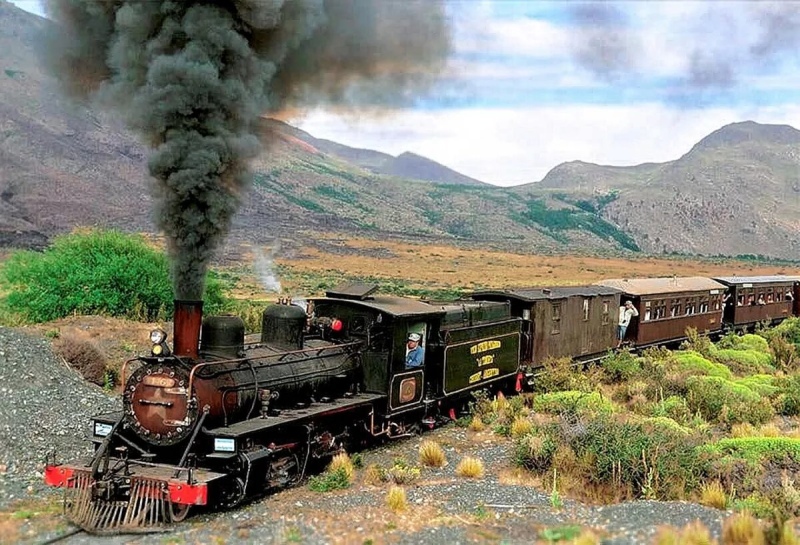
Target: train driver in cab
[415, 354]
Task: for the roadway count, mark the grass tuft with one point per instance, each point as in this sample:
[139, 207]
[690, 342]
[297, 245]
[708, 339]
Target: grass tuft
[521, 427]
[470, 467]
[431, 454]
[713, 495]
[742, 529]
[396, 499]
[476, 424]
[342, 462]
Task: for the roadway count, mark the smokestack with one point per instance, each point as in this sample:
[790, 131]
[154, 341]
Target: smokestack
[187, 321]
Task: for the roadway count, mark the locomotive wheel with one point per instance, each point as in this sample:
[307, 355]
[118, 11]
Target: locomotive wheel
[234, 494]
[180, 512]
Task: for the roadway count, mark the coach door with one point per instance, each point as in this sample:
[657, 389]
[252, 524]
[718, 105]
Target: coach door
[408, 383]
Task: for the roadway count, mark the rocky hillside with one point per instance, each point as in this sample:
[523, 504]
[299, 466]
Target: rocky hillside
[737, 191]
[64, 165]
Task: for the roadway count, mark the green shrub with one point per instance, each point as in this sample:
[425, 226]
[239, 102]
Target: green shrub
[673, 407]
[649, 460]
[329, 480]
[535, 451]
[761, 384]
[757, 504]
[745, 361]
[96, 272]
[620, 365]
[696, 364]
[572, 402]
[560, 374]
[787, 402]
[726, 401]
[752, 342]
[666, 423]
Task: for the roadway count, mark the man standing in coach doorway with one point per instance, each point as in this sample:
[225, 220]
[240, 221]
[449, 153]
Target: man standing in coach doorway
[415, 353]
[626, 312]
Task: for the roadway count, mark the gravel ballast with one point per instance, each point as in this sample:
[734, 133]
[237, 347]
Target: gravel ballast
[44, 407]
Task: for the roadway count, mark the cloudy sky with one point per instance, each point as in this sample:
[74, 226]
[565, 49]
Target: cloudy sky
[533, 84]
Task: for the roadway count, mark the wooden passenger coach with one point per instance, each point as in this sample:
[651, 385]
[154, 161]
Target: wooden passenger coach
[753, 299]
[667, 306]
[578, 322]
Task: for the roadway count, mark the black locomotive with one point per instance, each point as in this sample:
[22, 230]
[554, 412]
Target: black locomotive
[212, 419]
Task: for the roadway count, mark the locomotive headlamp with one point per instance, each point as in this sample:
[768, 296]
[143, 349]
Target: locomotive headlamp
[157, 336]
[337, 325]
[157, 349]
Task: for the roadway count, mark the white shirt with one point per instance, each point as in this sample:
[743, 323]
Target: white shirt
[625, 315]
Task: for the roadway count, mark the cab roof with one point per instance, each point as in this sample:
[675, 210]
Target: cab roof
[393, 306]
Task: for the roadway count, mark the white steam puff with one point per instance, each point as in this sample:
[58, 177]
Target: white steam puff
[264, 265]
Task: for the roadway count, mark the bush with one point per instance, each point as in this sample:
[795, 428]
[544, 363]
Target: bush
[696, 364]
[572, 403]
[787, 402]
[745, 361]
[760, 384]
[726, 401]
[329, 480]
[644, 459]
[84, 356]
[535, 452]
[742, 529]
[559, 374]
[620, 365]
[95, 272]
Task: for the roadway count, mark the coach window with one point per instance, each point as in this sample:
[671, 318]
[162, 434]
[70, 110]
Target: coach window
[647, 314]
[770, 296]
[740, 300]
[606, 305]
[556, 319]
[585, 310]
[703, 306]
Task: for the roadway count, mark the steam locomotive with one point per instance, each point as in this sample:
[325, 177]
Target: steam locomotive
[210, 420]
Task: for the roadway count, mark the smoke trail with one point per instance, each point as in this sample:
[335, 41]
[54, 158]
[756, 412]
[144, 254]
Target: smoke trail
[605, 46]
[193, 77]
[264, 266]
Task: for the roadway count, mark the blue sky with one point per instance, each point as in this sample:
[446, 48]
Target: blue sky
[532, 84]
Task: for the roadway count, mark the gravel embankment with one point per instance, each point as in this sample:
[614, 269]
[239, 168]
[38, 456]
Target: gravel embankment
[44, 407]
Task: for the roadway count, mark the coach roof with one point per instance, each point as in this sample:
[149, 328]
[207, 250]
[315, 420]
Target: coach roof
[648, 286]
[736, 280]
[536, 294]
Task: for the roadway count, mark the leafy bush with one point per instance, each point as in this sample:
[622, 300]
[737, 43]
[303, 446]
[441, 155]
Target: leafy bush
[643, 458]
[727, 401]
[673, 407]
[787, 402]
[330, 480]
[95, 272]
[572, 403]
[620, 365]
[744, 361]
[696, 364]
[761, 384]
[560, 374]
[535, 452]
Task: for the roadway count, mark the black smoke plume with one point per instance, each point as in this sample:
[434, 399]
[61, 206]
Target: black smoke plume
[193, 77]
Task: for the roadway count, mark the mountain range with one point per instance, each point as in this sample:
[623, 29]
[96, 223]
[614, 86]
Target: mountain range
[737, 191]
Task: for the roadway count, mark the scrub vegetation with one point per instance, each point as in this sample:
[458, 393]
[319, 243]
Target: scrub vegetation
[715, 423]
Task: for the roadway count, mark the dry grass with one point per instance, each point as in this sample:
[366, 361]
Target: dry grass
[520, 427]
[693, 534]
[444, 265]
[431, 454]
[470, 467]
[713, 495]
[396, 499]
[83, 355]
[342, 462]
[476, 424]
[742, 529]
[373, 475]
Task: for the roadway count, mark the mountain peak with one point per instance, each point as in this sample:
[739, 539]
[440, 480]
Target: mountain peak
[747, 131]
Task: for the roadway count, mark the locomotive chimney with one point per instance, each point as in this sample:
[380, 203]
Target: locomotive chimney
[187, 321]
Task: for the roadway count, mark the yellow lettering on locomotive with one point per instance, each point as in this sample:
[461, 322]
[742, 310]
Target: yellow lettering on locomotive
[488, 359]
[474, 377]
[484, 346]
[489, 373]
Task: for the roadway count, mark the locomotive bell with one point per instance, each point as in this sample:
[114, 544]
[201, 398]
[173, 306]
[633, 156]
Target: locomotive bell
[282, 326]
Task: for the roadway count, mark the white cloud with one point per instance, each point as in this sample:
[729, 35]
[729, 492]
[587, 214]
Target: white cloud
[514, 146]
